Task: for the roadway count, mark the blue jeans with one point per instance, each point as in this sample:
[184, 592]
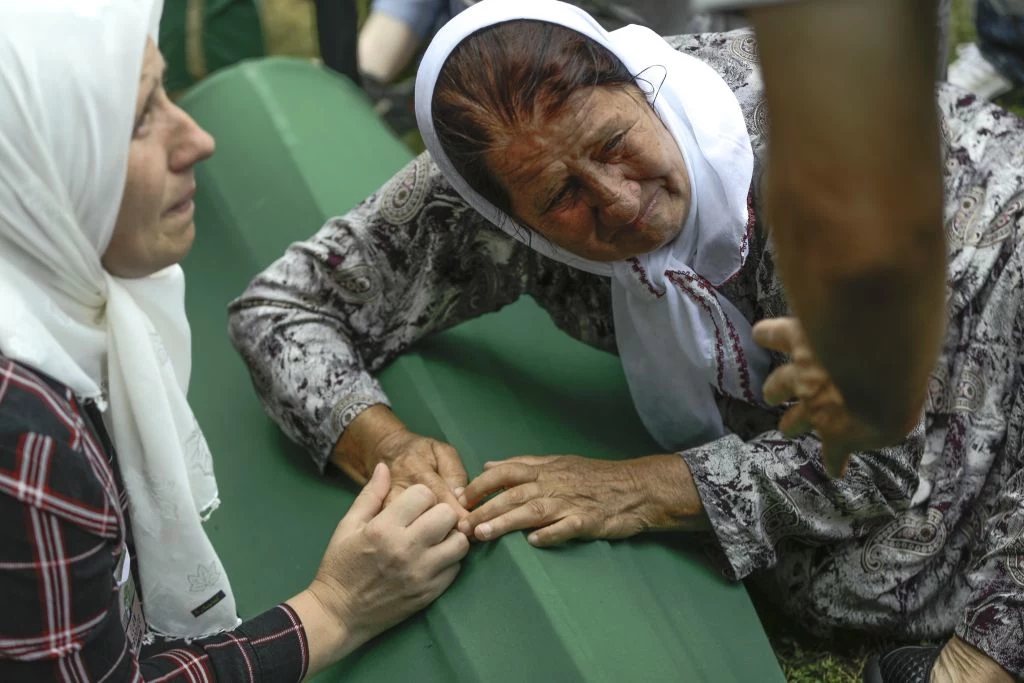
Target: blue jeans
[423, 16]
[1000, 25]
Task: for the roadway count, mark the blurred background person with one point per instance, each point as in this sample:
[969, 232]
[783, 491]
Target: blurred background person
[993, 65]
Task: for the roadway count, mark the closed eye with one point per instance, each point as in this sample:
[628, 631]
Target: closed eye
[613, 144]
[144, 117]
[567, 192]
[150, 104]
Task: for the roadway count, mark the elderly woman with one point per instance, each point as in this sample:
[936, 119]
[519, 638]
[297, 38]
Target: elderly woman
[106, 572]
[616, 179]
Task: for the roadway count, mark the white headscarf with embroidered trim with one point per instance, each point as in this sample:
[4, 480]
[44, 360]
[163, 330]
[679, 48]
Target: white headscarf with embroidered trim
[679, 339]
[69, 77]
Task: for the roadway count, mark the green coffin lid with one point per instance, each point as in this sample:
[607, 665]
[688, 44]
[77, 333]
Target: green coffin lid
[295, 146]
[227, 31]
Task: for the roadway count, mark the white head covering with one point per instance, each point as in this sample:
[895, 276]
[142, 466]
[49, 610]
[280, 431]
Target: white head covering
[69, 77]
[679, 339]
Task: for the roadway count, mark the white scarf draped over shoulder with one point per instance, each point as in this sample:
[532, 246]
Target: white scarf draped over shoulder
[69, 78]
[680, 340]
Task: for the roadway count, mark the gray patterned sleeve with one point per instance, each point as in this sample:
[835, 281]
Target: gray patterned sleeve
[759, 493]
[760, 489]
[410, 260]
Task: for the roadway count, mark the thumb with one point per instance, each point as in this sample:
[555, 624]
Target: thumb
[370, 500]
[774, 334]
[836, 459]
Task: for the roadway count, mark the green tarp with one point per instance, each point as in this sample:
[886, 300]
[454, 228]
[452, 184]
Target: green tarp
[295, 146]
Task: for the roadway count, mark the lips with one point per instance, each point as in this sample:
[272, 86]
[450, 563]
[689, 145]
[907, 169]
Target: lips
[638, 222]
[184, 202]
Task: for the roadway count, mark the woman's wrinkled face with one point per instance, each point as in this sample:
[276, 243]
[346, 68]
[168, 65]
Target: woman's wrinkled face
[603, 179]
[154, 227]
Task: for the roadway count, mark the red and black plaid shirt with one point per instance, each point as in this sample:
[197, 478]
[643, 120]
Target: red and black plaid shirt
[63, 528]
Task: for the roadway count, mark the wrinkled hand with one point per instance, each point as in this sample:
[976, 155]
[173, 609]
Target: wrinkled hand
[382, 566]
[414, 459]
[820, 404]
[563, 496]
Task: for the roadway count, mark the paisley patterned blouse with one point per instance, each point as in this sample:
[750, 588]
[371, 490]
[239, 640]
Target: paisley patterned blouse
[414, 259]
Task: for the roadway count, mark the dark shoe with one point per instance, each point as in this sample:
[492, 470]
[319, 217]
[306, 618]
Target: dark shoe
[910, 664]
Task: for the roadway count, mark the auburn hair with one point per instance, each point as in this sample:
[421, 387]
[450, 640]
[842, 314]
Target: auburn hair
[507, 75]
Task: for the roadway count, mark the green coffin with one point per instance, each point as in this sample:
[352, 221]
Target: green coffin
[295, 146]
[198, 37]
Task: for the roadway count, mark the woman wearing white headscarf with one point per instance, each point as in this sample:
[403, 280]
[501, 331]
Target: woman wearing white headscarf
[105, 477]
[616, 178]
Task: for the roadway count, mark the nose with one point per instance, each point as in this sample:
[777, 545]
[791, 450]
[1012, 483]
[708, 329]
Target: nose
[191, 143]
[616, 198]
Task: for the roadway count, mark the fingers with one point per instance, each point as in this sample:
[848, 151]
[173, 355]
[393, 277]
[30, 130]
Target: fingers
[836, 459]
[369, 501]
[499, 505]
[444, 579]
[434, 525]
[392, 494]
[451, 469]
[445, 495]
[795, 421]
[561, 531]
[530, 515]
[501, 476]
[798, 381]
[778, 334]
[449, 551]
[781, 385]
[834, 456]
[442, 492]
[435, 586]
[407, 506]
[522, 459]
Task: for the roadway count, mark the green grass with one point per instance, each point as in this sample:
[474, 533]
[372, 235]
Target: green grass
[961, 29]
[808, 659]
[802, 665]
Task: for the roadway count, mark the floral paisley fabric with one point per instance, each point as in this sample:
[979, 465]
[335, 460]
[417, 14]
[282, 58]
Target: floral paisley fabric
[856, 553]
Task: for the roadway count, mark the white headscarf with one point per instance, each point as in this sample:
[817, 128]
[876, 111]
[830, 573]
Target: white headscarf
[679, 339]
[69, 77]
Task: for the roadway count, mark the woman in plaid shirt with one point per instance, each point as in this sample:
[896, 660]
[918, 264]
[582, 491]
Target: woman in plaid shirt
[106, 572]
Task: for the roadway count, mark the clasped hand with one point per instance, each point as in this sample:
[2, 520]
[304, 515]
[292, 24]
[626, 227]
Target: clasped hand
[382, 565]
[562, 496]
[414, 459]
[820, 405]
